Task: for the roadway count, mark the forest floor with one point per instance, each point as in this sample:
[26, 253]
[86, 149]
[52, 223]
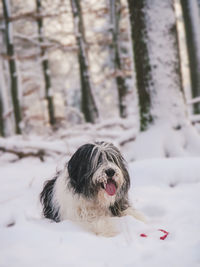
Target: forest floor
[166, 190]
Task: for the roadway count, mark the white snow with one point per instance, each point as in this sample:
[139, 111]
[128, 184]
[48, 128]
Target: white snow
[166, 190]
[194, 100]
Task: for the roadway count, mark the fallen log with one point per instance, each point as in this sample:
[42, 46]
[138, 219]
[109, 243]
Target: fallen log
[39, 149]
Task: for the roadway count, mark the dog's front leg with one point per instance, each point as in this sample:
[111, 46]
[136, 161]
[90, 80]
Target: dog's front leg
[130, 211]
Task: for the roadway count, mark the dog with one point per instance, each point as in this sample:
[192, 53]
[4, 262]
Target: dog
[91, 190]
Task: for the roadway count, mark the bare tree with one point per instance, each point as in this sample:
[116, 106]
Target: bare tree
[7, 114]
[2, 128]
[45, 66]
[88, 104]
[191, 21]
[115, 11]
[142, 61]
[12, 65]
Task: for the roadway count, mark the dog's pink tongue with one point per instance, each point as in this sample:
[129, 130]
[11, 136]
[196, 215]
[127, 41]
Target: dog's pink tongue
[110, 189]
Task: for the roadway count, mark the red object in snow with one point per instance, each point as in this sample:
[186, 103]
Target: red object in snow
[143, 235]
[165, 234]
[162, 237]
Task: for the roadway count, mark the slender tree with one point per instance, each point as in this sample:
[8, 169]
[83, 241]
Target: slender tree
[12, 65]
[115, 12]
[2, 128]
[45, 67]
[191, 22]
[88, 104]
[142, 61]
[7, 115]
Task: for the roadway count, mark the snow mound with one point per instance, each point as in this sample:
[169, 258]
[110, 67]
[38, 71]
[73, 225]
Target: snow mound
[165, 190]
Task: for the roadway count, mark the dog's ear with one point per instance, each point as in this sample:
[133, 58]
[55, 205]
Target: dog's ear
[126, 185]
[46, 195]
[120, 161]
[79, 167]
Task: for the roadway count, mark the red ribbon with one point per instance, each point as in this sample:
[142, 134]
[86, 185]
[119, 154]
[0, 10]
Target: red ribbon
[165, 234]
[162, 237]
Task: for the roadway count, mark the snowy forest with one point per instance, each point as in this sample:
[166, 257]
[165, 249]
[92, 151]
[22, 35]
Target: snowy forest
[64, 63]
[122, 71]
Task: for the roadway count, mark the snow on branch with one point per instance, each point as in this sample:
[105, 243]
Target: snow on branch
[34, 15]
[38, 149]
[119, 131]
[194, 100]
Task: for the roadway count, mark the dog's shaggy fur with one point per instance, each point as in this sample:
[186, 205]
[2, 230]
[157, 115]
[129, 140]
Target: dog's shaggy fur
[91, 189]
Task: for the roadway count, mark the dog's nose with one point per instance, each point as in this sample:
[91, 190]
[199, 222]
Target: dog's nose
[110, 172]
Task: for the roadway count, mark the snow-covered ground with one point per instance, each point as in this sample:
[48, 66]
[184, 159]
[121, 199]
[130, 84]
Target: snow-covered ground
[165, 190]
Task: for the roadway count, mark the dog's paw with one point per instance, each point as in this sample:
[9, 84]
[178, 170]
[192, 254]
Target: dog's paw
[110, 233]
[104, 227]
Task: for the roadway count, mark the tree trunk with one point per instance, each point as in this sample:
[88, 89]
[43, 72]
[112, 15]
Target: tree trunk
[12, 66]
[142, 63]
[8, 116]
[88, 104]
[172, 133]
[157, 62]
[115, 10]
[45, 67]
[192, 24]
[2, 128]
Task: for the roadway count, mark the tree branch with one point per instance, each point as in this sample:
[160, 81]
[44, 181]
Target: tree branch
[31, 149]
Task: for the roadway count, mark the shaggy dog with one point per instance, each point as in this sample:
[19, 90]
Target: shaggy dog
[91, 190]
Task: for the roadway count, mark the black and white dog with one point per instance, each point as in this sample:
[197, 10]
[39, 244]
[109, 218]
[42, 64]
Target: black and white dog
[91, 189]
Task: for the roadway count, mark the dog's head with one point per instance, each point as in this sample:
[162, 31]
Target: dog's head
[98, 171]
